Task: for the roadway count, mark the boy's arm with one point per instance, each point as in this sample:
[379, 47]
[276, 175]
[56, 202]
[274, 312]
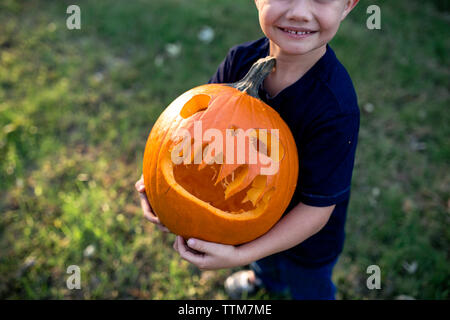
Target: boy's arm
[296, 226]
[299, 224]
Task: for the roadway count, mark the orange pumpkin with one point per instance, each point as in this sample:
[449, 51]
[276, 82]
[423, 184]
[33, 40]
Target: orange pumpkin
[224, 196]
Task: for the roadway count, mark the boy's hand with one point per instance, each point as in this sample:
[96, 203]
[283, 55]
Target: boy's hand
[208, 255]
[146, 208]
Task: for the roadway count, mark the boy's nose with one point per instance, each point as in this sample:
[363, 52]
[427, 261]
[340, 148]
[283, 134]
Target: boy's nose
[299, 10]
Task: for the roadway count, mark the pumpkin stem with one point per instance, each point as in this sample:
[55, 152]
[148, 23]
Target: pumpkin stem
[255, 76]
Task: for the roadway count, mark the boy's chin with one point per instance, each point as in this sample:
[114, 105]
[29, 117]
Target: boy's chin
[298, 49]
[295, 50]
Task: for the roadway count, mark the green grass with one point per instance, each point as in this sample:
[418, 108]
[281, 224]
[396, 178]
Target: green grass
[76, 108]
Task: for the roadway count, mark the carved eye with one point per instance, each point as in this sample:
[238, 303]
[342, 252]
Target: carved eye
[196, 104]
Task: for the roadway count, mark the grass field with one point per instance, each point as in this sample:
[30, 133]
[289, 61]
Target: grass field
[76, 107]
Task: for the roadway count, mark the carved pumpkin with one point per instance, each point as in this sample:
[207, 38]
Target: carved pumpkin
[224, 196]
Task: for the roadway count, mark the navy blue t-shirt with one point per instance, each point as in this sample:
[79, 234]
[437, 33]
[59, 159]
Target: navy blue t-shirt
[321, 109]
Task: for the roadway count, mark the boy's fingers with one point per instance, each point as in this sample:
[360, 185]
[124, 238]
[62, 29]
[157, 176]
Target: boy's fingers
[202, 246]
[139, 185]
[186, 254]
[146, 208]
[162, 227]
[175, 246]
[148, 213]
[144, 202]
[151, 218]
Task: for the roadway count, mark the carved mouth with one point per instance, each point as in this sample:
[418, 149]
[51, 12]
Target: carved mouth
[200, 183]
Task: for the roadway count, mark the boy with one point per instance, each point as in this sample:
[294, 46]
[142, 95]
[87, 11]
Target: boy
[314, 95]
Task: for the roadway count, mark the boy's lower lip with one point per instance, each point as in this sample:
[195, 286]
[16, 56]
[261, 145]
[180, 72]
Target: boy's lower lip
[297, 36]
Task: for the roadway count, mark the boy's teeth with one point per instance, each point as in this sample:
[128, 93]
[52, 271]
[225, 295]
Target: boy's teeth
[297, 32]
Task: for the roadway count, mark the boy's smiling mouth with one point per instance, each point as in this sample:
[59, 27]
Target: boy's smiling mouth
[297, 32]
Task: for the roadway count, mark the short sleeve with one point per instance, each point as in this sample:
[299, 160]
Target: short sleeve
[223, 72]
[326, 160]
